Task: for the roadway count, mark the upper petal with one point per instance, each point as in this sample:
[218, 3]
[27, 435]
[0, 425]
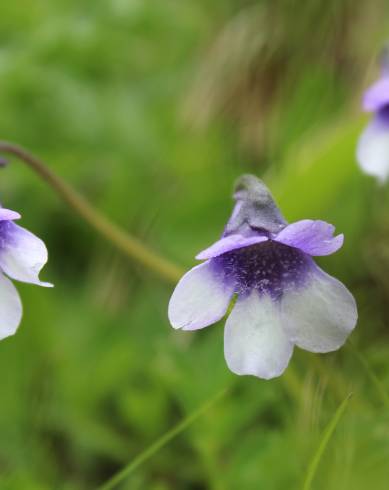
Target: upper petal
[22, 254]
[373, 150]
[320, 315]
[10, 308]
[228, 243]
[199, 299]
[254, 341]
[377, 95]
[7, 214]
[314, 237]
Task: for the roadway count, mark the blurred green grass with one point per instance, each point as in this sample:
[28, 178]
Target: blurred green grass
[111, 94]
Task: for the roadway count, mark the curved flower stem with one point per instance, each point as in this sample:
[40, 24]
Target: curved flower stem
[327, 434]
[161, 442]
[126, 243]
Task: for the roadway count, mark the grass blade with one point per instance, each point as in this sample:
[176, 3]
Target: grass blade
[161, 442]
[381, 390]
[327, 434]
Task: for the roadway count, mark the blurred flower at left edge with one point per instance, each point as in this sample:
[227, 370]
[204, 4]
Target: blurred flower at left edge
[22, 256]
[283, 299]
[373, 145]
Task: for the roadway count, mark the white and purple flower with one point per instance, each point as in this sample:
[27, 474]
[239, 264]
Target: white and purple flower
[22, 256]
[283, 298]
[373, 145]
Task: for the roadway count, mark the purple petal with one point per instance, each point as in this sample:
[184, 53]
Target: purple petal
[377, 96]
[228, 243]
[314, 237]
[373, 150]
[200, 299]
[22, 254]
[10, 308]
[7, 215]
[254, 341]
[319, 316]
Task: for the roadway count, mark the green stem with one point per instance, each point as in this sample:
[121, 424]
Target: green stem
[161, 442]
[327, 434]
[127, 244]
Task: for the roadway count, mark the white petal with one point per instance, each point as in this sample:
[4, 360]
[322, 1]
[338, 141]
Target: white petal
[200, 299]
[254, 341]
[319, 316]
[23, 255]
[373, 150]
[10, 308]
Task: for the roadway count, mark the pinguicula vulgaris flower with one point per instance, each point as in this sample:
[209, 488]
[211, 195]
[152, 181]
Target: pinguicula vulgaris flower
[373, 145]
[22, 256]
[282, 297]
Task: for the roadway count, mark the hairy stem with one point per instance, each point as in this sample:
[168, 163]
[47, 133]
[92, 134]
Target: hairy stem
[126, 243]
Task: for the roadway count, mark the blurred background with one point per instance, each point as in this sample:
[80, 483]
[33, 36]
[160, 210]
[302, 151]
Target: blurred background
[151, 109]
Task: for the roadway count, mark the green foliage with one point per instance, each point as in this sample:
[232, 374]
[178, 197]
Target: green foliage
[100, 90]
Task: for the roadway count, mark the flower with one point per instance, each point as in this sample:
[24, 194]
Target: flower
[22, 256]
[373, 145]
[283, 298]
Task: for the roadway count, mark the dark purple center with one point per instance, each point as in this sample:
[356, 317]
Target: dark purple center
[383, 115]
[269, 267]
[5, 229]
